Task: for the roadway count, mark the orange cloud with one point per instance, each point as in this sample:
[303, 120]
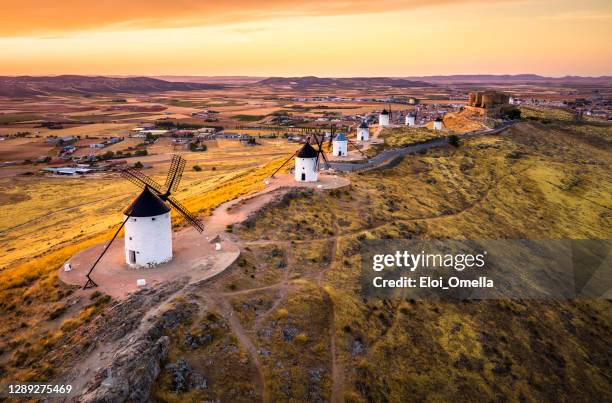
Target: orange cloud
[41, 17]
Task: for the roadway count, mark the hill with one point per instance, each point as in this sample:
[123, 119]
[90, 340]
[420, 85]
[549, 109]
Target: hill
[288, 321]
[22, 86]
[351, 82]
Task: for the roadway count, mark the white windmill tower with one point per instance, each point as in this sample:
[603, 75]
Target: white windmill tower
[363, 131]
[340, 146]
[411, 119]
[437, 125]
[148, 228]
[383, 118]
[306, 164]
[148, 231]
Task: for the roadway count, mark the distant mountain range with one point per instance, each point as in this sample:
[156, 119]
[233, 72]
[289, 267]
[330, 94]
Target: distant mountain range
[73, 84]
[235, 80]
[350, 82]
[508, 78]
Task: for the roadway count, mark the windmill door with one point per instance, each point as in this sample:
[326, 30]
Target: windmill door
[132, 256]
[303, 176]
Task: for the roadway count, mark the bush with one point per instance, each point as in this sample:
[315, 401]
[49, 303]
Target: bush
[453, 140]
[197, 168]
[138, 165]
[140, 153]
[513, 114]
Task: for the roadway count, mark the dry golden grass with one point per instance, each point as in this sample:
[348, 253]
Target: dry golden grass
[400, 136]
[541, 113]
[533, 182]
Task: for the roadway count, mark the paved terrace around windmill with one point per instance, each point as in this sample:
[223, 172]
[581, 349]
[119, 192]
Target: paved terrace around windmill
[194, 255]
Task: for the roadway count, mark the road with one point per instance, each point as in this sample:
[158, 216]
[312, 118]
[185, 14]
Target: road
[391, 154]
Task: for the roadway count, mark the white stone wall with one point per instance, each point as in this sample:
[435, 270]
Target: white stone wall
[410, 121]
[437, 125]
[339, 148]
[363, 134]
[383, 120]
[306, 166]
[150, 238]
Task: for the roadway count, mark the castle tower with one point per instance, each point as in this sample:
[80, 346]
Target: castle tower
[148, 231]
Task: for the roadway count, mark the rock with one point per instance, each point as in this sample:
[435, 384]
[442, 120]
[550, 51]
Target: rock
[184, 378]
[181, 373]
[139, 359]
[289, 333]
[357, 347]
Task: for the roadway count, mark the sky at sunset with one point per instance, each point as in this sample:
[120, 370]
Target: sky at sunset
[294, 38]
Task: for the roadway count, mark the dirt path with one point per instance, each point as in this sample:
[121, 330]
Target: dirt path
[224, 307]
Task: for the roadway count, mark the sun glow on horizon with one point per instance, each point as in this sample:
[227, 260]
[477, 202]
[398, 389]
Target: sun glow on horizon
[448, 37]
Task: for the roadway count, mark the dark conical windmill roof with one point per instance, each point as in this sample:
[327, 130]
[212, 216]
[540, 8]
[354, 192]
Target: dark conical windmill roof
[147, 204]
[384, 112]
[307, 152]
[363, 125]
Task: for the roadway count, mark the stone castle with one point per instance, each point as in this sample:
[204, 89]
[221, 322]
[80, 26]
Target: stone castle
[488, 103]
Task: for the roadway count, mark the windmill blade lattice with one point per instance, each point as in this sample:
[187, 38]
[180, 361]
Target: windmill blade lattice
[190, 218]
[177, 166]
[141, 180]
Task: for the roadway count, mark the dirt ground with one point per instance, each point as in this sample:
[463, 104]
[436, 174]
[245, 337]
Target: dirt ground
[194, 256]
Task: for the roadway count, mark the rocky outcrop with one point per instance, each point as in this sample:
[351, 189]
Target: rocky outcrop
[138, 361]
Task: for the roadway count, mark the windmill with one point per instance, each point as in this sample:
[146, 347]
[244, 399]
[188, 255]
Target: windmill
[438, 123]
[307, 152]
[153, 217]
[331, 138]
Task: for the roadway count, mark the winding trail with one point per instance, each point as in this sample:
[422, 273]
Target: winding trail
[390, 154]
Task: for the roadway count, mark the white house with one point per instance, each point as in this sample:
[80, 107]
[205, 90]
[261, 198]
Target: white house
[383, 118]
[437, 124]
[410, 119]
[306, 164]
[340, 146]
[148, 231]
[363, 131]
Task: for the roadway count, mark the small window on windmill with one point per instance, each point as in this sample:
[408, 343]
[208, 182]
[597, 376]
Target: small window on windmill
[152, 218]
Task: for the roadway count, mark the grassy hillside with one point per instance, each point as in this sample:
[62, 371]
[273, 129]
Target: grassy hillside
[287, 321]
[530, 182]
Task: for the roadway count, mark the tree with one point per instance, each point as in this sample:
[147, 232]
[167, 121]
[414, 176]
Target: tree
[138, 165]
[197, 168]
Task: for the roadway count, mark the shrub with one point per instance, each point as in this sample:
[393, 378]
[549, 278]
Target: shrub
[138, 165]
[453, 140]
[197, 168]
